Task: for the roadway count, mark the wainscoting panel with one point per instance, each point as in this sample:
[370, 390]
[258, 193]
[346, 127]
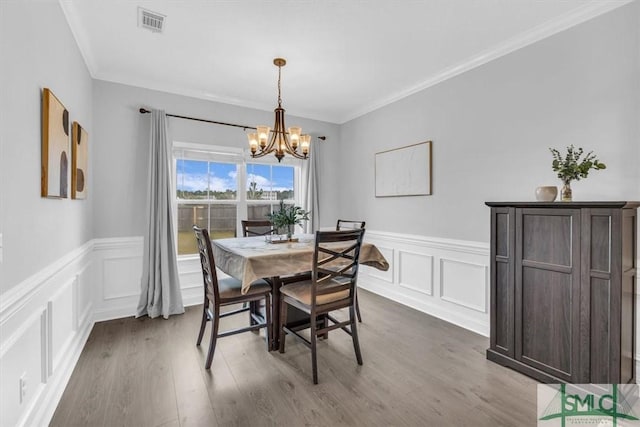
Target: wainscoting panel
[415, 272]
[386, 276]
[464, 284]
[42, 336]
[122, 274]
[444, 278]
[118, 268]
[118, 265]
[21, 356]
[85, 291]
[61, 312]
[191, 284]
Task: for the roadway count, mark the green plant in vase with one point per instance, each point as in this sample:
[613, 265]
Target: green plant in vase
[572, 167]
[287, 217]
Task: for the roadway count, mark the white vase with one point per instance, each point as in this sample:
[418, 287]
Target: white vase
[547, 193]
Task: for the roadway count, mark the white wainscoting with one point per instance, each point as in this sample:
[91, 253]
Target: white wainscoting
[118, 270]
[44, 324]
[46, 320]
[445, 278]
[118, 264]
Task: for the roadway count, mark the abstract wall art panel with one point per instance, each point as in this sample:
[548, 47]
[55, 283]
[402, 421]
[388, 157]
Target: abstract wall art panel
[404, 171]
[79, 153]
[55, 147]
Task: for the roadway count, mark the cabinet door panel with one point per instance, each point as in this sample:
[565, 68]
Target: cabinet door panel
[547, 292]
[504, 309]
[599, 250]
[547, 238]
[600, 336]
[546, 320]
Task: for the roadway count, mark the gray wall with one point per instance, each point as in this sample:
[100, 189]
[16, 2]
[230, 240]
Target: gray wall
[492, 127]
[37, 50]
[121, 144]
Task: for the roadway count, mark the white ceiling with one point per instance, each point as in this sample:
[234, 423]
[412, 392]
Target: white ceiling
[344, 57]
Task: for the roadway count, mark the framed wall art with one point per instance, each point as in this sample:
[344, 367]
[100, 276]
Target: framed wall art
[79, 141]
[55, 147]
[404, 171]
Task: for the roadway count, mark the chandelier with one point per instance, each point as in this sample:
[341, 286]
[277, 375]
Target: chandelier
[278, 139]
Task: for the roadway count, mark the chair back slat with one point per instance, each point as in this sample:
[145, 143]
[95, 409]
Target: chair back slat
[336, 258]
[347, 224]
[209, 275]
[257, 228]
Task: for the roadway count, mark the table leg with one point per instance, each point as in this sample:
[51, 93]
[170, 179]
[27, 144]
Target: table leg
[276, 284]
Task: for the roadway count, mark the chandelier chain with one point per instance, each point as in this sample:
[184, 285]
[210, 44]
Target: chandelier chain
[279, 75]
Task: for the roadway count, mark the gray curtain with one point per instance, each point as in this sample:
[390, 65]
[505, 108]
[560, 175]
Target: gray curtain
[160, 294]
[310, 194]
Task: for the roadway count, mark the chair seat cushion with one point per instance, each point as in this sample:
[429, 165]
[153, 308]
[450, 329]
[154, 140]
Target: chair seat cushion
[301, 291]
[230, 287]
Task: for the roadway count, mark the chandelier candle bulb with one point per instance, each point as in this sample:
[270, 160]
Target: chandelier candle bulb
[304, 144]
[263, 135]
[294, 134]
[253, 142]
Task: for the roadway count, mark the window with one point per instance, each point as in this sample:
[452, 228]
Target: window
[207, 180]
[266, 185]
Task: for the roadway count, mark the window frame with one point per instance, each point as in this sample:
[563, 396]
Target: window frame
[241, 158]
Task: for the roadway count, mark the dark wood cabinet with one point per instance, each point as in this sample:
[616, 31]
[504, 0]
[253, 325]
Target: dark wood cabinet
[563, 278]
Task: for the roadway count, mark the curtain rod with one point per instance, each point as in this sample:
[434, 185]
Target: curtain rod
[145, 111]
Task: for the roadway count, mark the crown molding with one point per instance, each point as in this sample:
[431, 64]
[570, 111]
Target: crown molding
[543, 31]
[547, 29]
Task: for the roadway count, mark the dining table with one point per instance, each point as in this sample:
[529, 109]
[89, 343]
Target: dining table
[251, 258]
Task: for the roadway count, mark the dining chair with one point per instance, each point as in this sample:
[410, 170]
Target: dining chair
[332, 287]
[227, 291]
[346, 224]
[252, 227]
[260, 227]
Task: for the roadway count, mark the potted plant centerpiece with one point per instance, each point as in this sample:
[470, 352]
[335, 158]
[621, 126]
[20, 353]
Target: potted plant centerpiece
[287, 217]
[571, 167]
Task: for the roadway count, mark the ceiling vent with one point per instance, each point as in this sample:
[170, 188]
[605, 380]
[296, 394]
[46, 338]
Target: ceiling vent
[153, 21]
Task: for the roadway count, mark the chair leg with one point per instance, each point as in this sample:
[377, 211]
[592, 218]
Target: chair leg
[283, 321]
[215, 323]
[267, 308]
[325, 324]
[354, 335]
[314, 359]
[203, 324]
[252, 309]
[355, 298]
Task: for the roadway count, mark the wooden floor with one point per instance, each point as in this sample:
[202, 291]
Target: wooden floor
[418, 371]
